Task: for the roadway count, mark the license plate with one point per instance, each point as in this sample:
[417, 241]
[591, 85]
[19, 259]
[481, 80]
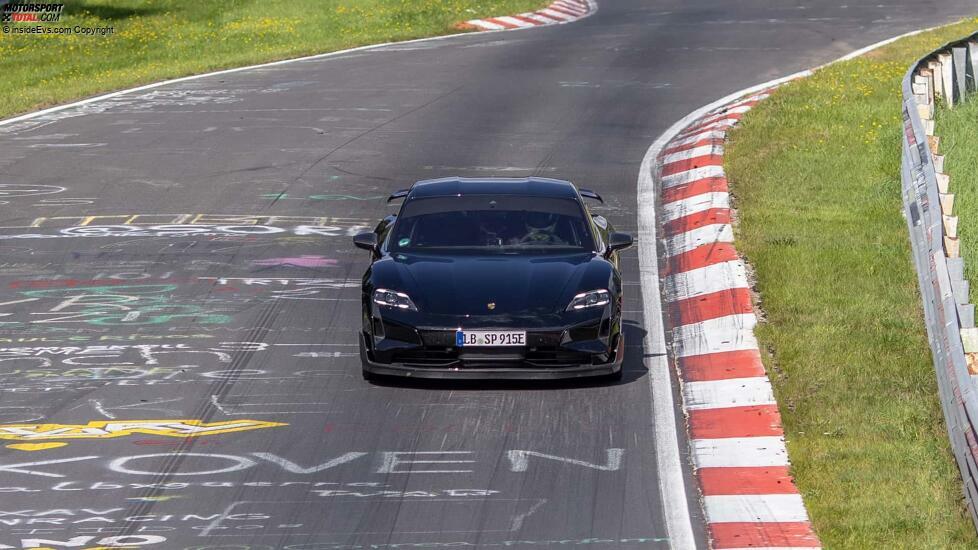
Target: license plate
[490, 338]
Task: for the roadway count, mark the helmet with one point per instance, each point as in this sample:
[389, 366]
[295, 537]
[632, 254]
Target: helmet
[493, 222]
[540, 220]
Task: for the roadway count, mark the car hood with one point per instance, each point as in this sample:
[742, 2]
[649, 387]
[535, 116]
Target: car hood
[491, 285]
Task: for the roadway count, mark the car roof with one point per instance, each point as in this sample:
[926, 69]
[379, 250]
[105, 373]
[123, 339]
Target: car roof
[535, 187]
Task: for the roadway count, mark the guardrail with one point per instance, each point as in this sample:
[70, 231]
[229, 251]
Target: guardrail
[947, 74]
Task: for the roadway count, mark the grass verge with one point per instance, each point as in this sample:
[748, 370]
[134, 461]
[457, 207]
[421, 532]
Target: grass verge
[160, 39]
[815, 172]
[958, 130]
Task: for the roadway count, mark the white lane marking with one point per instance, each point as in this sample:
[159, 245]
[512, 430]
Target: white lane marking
[539, 17]
[739, 452]
[717, 124]
[741, 102]
[731, 392]
[671, 484]
[700, 136]
[513, 21]
[688, 176]
[713, 337]
[705, 280]
[754, 508]
[697, 203]
[739, 321]
[701, 151]
[555, 14]
[669, 461]
[486, 24]
[576, 10]
[708, 234]
[735, 109]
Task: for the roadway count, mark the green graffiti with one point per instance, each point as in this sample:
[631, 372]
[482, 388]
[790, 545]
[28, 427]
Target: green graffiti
[119, 305]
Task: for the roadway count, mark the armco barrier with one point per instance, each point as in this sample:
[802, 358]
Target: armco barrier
[947, 75]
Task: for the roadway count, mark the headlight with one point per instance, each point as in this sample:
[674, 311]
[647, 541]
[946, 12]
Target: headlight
[594, 298]
[393, 298]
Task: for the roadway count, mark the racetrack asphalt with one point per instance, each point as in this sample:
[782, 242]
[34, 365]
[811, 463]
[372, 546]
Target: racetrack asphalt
[118, 318]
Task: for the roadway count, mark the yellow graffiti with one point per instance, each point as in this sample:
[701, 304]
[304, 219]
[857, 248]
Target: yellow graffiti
[119, 428]
[36, 446]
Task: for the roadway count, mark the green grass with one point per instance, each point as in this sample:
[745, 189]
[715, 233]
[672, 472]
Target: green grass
[815, 173]
[160, 39]
[958, 130]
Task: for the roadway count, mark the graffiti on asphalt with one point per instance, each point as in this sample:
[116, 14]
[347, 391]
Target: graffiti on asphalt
[175, 231]
[383, 462]
[9, 190]
[306, 260]
[99, 429]
[110, 305]
[286, 196]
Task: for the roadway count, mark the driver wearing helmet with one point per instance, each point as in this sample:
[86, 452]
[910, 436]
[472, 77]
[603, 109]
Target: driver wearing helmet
[494, 228]
[541, 229]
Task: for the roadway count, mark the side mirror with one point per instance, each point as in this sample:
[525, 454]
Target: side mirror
[619, 241]
[366, 241]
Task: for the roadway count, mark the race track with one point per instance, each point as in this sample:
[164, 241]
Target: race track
[214, 365]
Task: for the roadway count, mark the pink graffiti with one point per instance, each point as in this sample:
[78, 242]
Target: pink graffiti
[305, 260]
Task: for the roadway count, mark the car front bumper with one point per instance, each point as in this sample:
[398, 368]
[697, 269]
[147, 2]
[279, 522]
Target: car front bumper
[486, 369]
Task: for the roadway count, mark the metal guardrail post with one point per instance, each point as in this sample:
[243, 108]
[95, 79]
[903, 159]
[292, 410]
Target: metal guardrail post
[948, 73]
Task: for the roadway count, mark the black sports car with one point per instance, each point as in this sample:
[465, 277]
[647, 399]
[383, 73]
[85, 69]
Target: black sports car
[492, 278]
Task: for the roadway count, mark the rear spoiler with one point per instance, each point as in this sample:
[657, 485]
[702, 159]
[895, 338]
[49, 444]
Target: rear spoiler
[398, 195]
[588, 194]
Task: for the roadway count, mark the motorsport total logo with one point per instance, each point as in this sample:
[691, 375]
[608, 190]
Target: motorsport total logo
[36, 17]
[31, 13]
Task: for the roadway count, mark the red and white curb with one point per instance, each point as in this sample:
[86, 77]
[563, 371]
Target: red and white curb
[736, 438]
[561, 11]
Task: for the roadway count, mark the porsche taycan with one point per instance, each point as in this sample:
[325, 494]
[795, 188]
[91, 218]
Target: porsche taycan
[510, 278]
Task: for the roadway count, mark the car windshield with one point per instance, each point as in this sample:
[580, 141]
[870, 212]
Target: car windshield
[492, 224]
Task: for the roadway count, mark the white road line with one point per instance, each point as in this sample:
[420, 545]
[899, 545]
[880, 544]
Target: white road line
[701, 151]
[700, 136]
[754, 508]
[739, 452]
[538, 17]
[737, 109]
[576, 10]
[717, 124]
[513, 21]
[708, 234]
[487, 24]
[753, 451]
[705, 280]
[701, 339]
[669, 461]
[554, 14]
[731, 392]
[740, 321]
[697, 203]
[681, 178]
